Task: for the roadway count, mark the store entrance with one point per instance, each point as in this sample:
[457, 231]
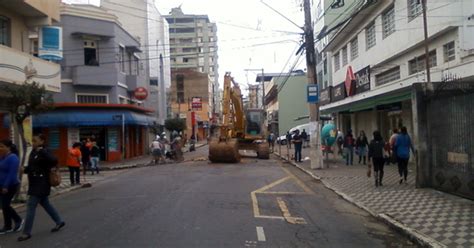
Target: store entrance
[99, 135]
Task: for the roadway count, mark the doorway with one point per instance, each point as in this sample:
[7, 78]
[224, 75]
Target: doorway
[99, 135]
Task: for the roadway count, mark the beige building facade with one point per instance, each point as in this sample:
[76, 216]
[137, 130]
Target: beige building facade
[19, 33]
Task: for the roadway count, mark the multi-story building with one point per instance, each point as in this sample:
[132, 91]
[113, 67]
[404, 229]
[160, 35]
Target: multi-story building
[193, 45]
[327, 16]
[143, 21]
[255, 96]
[385, 54]
[20, 22]
[100, 71]
[189, 96]
[377, 57]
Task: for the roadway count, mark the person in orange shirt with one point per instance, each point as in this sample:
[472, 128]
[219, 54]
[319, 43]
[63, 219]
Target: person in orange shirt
[74, 163]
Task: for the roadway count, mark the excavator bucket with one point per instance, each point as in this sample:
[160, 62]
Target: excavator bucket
[226, 151]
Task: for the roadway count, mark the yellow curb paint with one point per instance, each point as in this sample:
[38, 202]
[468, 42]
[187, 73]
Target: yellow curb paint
[286, 213]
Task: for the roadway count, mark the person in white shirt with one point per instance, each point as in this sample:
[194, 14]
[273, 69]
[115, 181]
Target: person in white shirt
[156, 151]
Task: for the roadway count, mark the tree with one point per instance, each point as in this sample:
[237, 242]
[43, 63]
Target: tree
[175, 124]
[24, 101]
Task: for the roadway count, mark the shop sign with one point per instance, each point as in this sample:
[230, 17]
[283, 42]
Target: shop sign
[72, 136]
[362, 79]
[140, 93]
[50, 44]
[112, 140]
[338, 92]
[350, 82]
[325, 95]
[196, 103]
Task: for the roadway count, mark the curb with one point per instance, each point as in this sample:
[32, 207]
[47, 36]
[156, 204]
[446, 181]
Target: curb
[412, 234]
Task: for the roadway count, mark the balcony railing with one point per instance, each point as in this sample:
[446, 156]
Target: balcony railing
[17, 66]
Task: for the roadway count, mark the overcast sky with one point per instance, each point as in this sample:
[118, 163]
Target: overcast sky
[250, 34]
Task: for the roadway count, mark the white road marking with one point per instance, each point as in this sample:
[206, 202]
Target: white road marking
[261, 234]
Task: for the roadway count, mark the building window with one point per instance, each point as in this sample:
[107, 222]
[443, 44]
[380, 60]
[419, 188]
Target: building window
[122, 58]
[354, 48]
[183, 30]
[337, 64]
[185, 60]
[91, 98]
[5, 36]
[180, 88]
[90, 53]
[418, 64]
[370, 35]
[388, 76]
[186, 41]
[449, 51]
[189, 50]
[388, 22]
[414, 9]
[325, 66]
[184, 20]
[344, 56]
[136, 61]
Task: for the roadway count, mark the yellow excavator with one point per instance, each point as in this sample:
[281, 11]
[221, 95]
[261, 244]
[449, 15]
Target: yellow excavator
[239, 130]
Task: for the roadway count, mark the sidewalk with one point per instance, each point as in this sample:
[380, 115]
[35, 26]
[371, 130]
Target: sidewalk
[430, 217]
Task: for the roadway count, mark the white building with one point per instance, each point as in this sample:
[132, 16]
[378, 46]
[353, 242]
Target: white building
[193, 44]
[383, 46]
[143, 20]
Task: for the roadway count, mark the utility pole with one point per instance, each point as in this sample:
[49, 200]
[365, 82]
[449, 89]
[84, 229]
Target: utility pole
[427, 51]
[315, 129]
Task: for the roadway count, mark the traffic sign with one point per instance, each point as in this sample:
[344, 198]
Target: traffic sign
[313, 93]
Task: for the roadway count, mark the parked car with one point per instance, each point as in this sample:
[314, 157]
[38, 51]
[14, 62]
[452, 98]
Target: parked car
[282, 139]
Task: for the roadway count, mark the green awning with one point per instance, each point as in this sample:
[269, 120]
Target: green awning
[372, 102]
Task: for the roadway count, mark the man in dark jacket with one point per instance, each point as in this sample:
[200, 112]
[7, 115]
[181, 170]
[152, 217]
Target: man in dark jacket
[86, 146]
[298, 141]
[39, 166]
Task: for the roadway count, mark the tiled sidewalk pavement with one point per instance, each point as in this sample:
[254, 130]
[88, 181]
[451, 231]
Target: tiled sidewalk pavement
[447, 219]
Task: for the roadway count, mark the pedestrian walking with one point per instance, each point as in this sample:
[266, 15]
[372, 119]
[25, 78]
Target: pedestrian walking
[393, 153]
[298, 142]
[39, 167]
[361, 146]
[95, 158]
[86, 146]
[9, 166]
[73, 162]
[403, 145]
[304, 137]
[271, 141]
[377, 157]
[288, 139]
[349, 147]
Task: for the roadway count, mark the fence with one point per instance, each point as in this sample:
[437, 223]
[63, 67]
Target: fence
[444, 121]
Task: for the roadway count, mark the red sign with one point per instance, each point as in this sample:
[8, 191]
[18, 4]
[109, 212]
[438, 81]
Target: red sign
[196, 103]
[140, 93]
[350, 82]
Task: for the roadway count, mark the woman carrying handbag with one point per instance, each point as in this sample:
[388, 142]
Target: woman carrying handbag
[40, 163]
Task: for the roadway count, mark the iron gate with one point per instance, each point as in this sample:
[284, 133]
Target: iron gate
[450, 124]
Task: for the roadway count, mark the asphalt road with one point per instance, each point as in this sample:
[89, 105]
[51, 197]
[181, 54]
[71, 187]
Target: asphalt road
[196, 204]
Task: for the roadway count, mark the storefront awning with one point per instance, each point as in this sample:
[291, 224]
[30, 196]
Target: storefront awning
[88, 117]
[370, 103]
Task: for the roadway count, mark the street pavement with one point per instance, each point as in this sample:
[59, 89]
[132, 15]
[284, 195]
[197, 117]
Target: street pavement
[432, 217]
[256, 203]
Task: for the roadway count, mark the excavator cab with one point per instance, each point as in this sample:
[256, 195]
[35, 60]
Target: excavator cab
[255, 122]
